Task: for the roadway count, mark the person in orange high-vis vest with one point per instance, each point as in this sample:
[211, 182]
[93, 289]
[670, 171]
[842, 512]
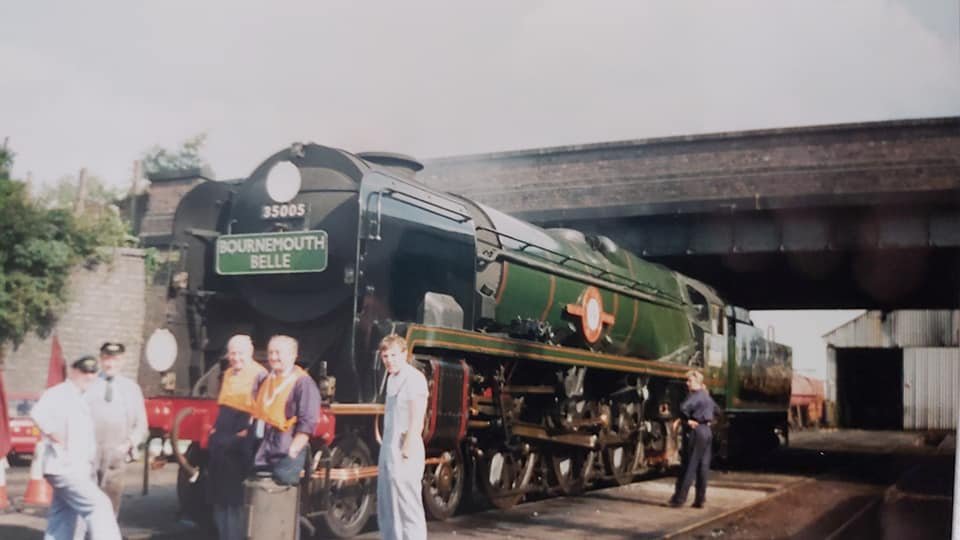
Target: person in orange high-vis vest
[286, 410]
[231, 444]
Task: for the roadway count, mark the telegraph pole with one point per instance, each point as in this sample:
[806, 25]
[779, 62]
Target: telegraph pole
[137, 172]
[79, 203]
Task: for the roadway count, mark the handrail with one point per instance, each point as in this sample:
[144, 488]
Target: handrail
[546, 266]
[602, 273]
[464, 217]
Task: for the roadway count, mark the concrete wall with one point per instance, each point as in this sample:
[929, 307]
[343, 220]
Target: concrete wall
[106, 303]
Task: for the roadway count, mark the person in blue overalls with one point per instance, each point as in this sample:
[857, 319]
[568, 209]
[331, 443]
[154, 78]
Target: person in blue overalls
[400, 465]
[696, 412]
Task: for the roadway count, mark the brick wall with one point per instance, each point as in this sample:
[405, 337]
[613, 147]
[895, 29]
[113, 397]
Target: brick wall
[852, 160]
[106, 303]
[161, 205]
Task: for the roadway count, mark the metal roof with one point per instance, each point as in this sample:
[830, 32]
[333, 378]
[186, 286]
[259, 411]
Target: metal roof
[896, 329]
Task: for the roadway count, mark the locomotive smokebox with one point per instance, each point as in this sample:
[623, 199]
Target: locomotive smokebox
[291, 242]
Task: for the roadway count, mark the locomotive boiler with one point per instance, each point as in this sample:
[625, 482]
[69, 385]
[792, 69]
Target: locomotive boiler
[555, 360]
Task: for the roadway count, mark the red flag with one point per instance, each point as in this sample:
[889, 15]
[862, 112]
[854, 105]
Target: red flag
[4, 421]
[57, 371]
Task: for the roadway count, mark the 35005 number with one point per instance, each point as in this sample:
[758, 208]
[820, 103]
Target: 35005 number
[284, 210]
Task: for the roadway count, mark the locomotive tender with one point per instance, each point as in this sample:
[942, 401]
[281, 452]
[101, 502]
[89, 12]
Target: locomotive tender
[555, 360]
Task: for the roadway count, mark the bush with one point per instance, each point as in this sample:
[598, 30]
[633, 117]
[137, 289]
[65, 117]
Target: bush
[38, 249]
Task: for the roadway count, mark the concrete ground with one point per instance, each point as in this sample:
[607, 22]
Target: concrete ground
[141, 516]
[634, 511]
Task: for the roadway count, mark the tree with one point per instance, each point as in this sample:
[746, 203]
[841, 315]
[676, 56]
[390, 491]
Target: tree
[159, 160]
[38, 249]
[63, 193]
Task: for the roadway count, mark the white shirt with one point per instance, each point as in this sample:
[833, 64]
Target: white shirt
[63, 412]
[407, 385]
[122, 419]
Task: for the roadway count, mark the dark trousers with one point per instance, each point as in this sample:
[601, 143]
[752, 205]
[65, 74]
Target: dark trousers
[694, 464]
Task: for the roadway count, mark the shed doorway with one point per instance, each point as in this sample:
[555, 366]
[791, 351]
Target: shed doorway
[870, 388]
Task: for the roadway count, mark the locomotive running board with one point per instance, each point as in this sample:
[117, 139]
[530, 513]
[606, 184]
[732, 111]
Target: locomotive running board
[350, 475]
[569, 439]
[357, 409]
[429, 337]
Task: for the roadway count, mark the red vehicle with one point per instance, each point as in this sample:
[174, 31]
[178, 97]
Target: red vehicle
[24, 435]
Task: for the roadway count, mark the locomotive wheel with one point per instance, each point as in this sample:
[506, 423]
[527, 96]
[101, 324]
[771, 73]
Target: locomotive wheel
[192, 496]
[350, 504]
[500, 478]
[592, 468]
[620, 463]
[443, 486]
[566, 467]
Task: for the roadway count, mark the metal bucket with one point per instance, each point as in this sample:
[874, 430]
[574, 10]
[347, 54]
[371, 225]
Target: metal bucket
[271, 509]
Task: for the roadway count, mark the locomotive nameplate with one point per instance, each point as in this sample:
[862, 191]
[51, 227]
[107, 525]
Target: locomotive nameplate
[272, 253]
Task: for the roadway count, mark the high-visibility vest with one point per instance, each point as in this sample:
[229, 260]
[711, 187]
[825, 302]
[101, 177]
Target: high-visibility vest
[272, 397]
[236, 391]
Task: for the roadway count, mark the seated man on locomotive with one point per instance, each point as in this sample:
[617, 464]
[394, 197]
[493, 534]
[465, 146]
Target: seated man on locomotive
[231, 444]
[697, 413]
[286, 411]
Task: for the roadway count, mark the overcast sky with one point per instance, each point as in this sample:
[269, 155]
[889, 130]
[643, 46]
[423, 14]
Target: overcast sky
[94, 84]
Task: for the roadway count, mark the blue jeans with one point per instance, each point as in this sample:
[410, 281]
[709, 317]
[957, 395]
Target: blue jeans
[286, 472]
[76, 496]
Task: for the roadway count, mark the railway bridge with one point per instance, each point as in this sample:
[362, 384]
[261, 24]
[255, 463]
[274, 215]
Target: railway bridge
[840, 216]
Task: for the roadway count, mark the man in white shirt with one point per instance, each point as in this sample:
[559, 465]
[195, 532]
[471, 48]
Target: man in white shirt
[401, 461]
[67, 455]
[119, 419]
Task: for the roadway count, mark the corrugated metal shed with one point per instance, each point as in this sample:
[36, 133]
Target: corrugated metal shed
[904, 328]
[831, 382]
[931, 388]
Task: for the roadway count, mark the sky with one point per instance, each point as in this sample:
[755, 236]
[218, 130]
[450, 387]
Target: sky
[802, 330]
[95, 84]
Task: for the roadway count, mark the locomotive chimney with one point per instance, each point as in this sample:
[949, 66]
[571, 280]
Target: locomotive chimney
[399, 164]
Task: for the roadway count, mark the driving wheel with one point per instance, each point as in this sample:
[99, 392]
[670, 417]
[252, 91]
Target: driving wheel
[351, 502]
[443, 486]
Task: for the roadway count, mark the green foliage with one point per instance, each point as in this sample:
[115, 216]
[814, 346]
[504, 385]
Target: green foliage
[38, 249]
[159, 160]
[63, 193]
[6, 161]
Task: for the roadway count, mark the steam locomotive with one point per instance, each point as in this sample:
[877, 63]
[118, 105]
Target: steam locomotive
[555, 360]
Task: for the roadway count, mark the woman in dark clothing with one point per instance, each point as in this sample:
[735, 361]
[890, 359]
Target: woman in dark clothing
[696, 412]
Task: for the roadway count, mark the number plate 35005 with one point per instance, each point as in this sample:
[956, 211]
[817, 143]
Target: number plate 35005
[289, 210]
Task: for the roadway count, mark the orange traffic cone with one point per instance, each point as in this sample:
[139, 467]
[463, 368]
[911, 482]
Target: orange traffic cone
[4, 499]
[39, 491]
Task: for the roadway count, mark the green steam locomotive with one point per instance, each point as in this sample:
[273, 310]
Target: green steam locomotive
[555, 360]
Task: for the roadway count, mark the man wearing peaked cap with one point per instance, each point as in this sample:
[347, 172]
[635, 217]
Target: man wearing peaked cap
[119, 418]
[67, 452]
[110, 348]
